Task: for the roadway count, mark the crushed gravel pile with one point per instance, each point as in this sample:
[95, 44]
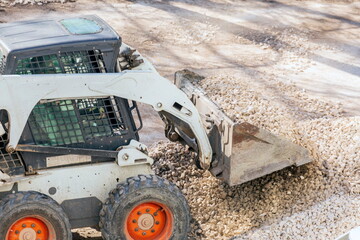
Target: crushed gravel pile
[321, 197]
[323, 220]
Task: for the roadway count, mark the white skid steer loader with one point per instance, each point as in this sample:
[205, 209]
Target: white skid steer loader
[70, 154]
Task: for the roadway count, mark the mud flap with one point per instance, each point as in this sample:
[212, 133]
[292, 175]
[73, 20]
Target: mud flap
[242, 152]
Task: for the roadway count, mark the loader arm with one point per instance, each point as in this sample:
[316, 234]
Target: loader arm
[20, 94]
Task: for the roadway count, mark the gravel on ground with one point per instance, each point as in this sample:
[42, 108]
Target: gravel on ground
[321, 197]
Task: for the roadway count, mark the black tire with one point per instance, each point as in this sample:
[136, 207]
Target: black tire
[21, 205]
[139, 190]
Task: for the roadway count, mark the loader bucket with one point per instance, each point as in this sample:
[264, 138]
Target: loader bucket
[256, 152]
[242, 152]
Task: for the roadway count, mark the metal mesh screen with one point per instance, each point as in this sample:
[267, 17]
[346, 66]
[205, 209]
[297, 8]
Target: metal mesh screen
[7, 160]
[48, 64]
[69, 122]
[55, 123]
[101, 117]
[83, 62]
[67, 62]
[65, 122]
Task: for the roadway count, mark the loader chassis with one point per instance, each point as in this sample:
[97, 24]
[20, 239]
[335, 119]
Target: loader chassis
[87, 187]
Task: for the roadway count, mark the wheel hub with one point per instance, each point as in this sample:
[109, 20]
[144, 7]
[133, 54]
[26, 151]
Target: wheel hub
[27, 234]
[146, 221]
[149, 221]
[28, 228]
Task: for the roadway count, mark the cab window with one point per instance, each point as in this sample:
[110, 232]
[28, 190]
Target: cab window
[48, 64]
[79, 26]
[66, 62]
[83, 62]
[69, 122]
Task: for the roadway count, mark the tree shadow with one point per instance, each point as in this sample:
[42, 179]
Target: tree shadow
[262, 37]
[345, 67]
[316, 12]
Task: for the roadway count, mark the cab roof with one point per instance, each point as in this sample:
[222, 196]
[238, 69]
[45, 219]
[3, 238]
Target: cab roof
[40, 33]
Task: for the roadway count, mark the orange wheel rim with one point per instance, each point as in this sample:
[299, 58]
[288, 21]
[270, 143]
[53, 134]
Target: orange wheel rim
[28, 228]
[149, 221]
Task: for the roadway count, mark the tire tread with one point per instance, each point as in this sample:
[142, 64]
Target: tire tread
[13, 200]
[130, 185]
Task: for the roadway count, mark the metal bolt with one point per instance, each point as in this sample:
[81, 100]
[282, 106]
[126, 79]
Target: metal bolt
[24, 225]
[152, 230]
[173, 136]
[136, 229]
[17, 232]
[159, 105]
[38, 231]
[134, 221]
[157, 222]
[32, 225]
[144, 233]
[10, 149]
[139, 213]
[155, 214]
[147, 210]
[125, 156]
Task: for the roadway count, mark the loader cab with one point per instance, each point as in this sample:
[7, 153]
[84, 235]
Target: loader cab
[75, 45]
[66, 46]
